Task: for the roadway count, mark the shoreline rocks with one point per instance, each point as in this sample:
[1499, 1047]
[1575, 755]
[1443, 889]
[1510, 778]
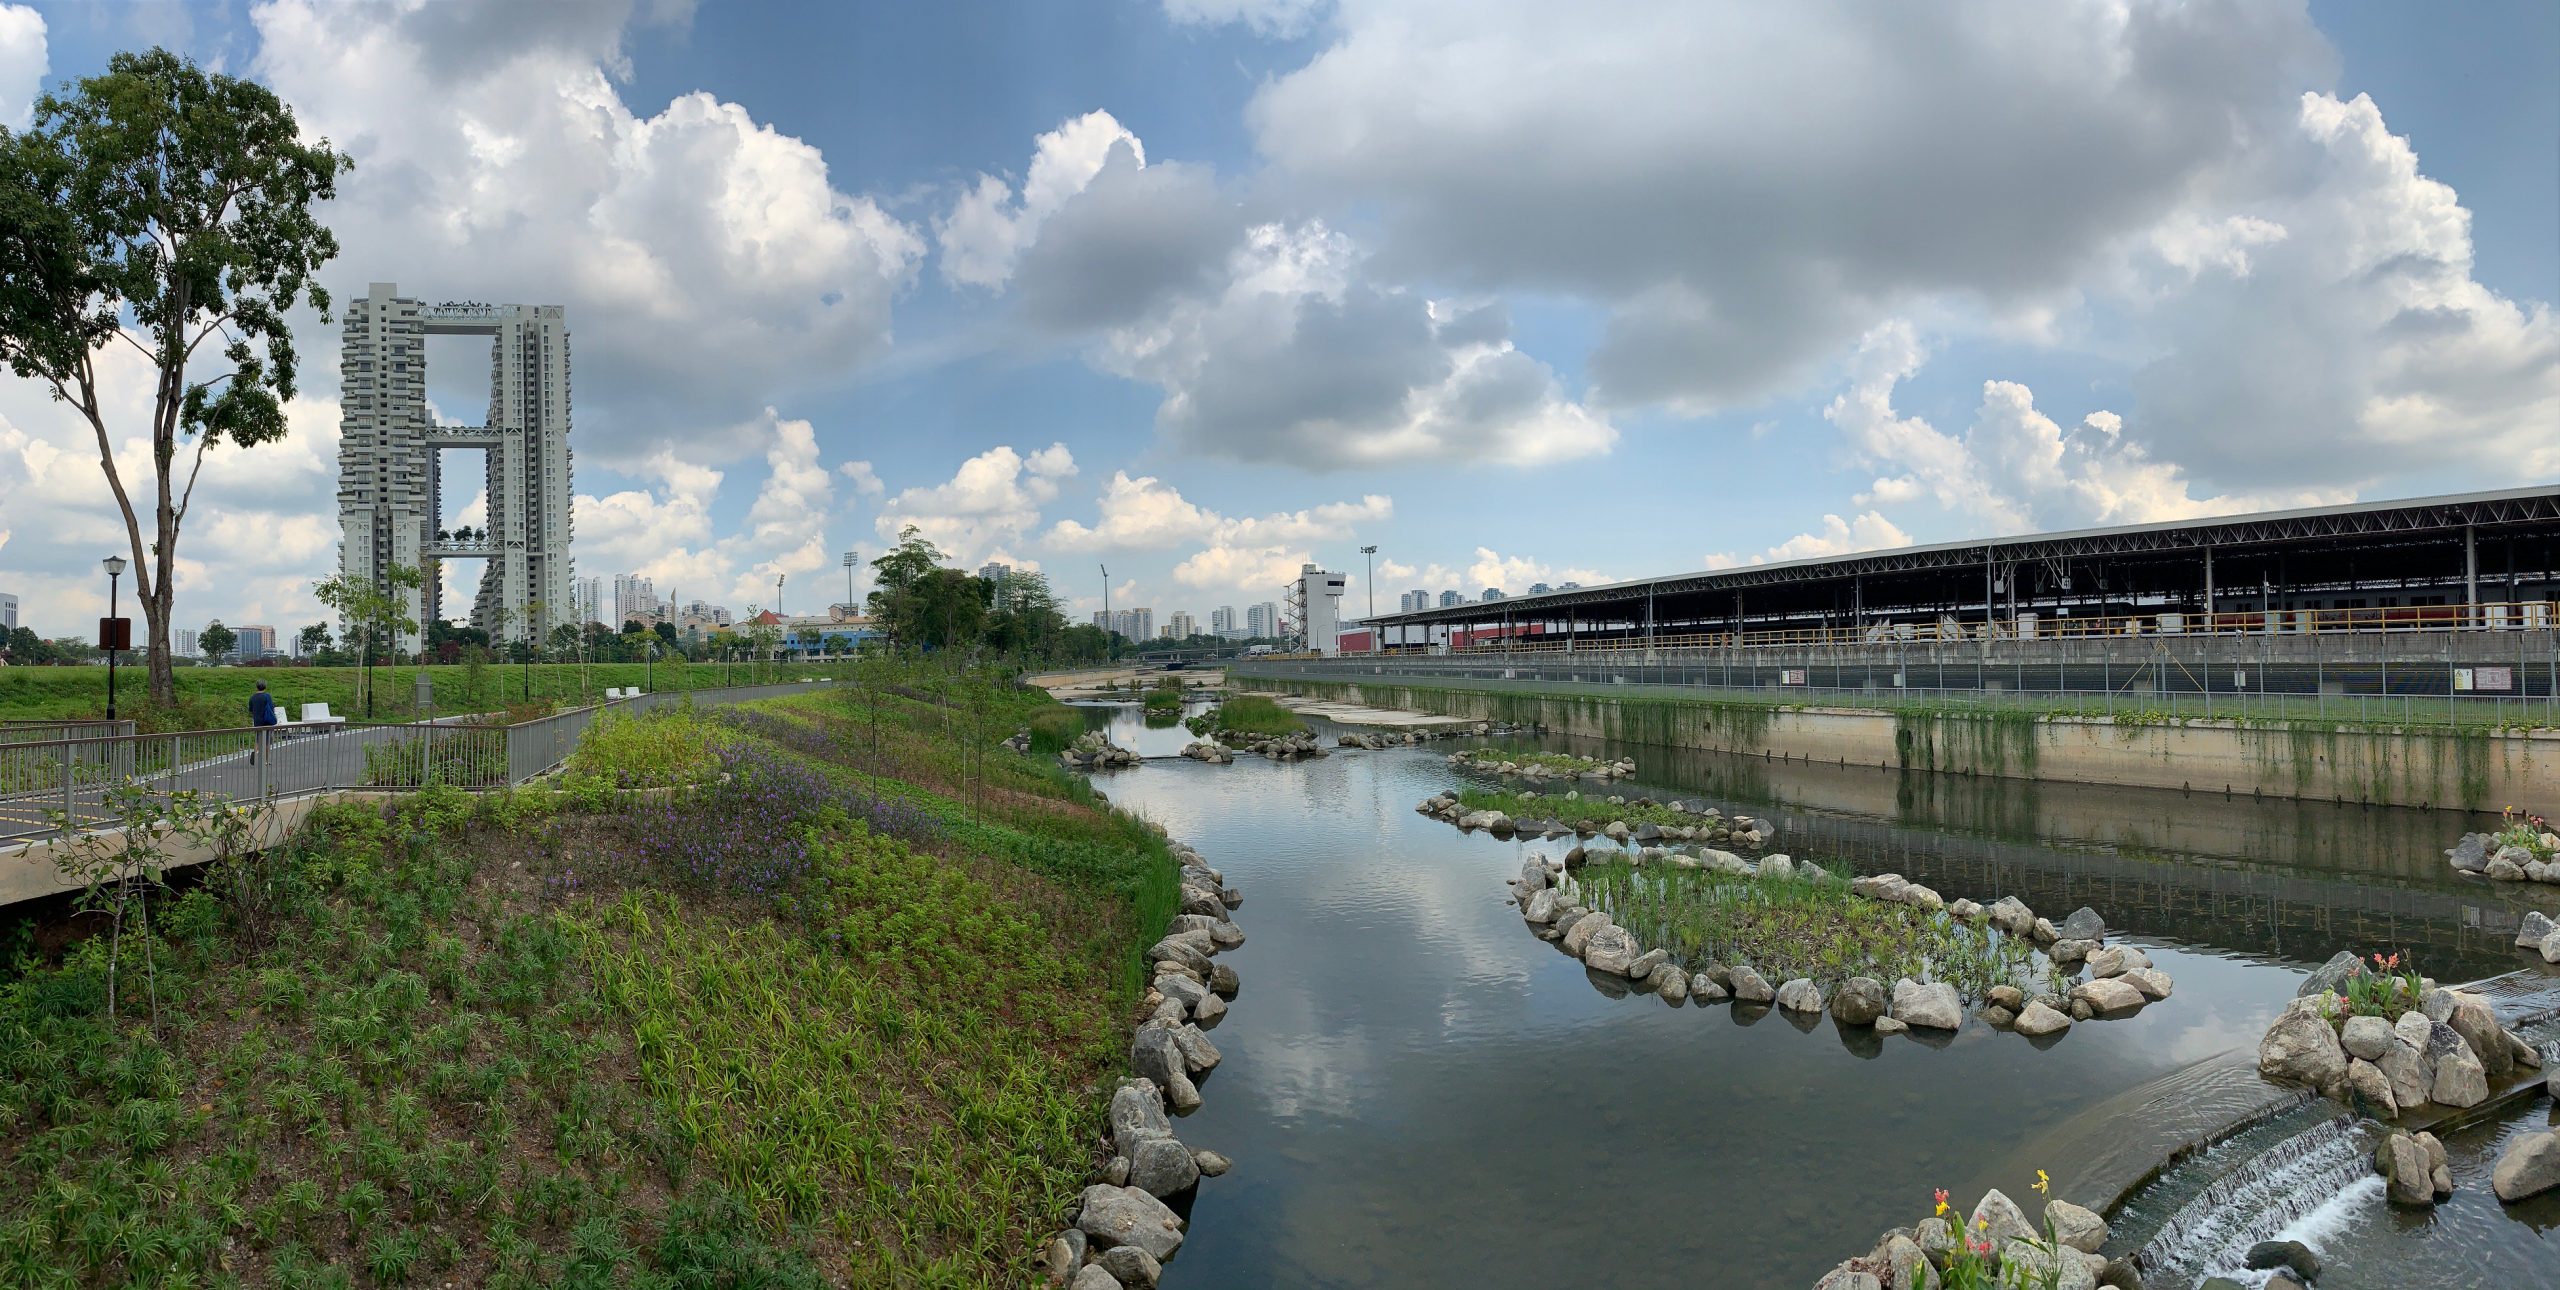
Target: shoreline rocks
[1917, 1257]
[1123, 1228]
[1093, 750]
[2536, 859]
[2447, 1048]
[1547, 896]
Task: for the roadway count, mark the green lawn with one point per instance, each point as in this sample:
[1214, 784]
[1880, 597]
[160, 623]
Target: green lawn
[210, 697]
[843, 1009]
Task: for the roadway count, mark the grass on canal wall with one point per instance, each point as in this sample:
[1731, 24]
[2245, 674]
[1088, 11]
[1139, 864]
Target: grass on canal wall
[216, 697]
[843, 1008]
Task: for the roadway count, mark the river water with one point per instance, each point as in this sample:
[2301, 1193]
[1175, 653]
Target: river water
[1418, 1092]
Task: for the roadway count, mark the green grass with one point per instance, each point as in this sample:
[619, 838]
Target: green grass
[1254, 715]
[478, 1040]
[1592, 807]
[1161, 700]
[214, 697]
[1556, 761]
[1799, 927]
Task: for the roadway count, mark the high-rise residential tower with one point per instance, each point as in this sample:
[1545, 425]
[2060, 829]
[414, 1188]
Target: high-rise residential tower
[390, 451]
[1222, 623]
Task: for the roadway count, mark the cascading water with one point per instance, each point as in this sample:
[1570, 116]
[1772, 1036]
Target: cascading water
[2281, 1180]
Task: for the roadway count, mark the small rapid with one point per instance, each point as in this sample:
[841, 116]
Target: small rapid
[2305, 1175]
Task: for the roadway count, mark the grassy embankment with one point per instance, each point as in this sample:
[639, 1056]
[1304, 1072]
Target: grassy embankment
[1248, 716]
[215, 697]
[839, 1003]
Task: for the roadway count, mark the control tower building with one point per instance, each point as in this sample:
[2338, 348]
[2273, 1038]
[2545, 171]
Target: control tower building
[391, 459]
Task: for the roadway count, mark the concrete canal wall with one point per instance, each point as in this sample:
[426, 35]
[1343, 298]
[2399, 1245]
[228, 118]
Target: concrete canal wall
[2467, 768]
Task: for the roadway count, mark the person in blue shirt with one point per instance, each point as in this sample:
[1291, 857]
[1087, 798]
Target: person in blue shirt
[262, 712]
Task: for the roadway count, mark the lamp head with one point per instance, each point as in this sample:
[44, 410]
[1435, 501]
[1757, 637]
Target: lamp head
[113, 564]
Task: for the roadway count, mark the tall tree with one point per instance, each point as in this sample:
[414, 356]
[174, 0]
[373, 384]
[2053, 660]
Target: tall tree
[216, 641]
[160, 207]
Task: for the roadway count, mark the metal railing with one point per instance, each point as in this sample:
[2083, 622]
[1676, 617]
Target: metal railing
[2144, 692]
[1518, 638]
[70, 778]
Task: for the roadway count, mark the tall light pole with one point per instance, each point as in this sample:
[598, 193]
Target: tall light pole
[850, 559]
[107, 631]
[1110, 643]
[1372, 553]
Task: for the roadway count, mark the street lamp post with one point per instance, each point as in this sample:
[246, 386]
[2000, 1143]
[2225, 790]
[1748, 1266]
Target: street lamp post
[850, 559]
[1110, 642]
[1372, 553]
[114, 565]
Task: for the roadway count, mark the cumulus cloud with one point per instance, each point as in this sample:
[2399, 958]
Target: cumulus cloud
[1868, 532]
[1248, 553]
[1298, 358]
[2014, 469]
[2334, 333]
[706, 259]
[987, 229]
[1264, 17]
[1628, 152]
[993, 499]
[666, 531]
[22, 63]
[1515, 574]
[1270, 338]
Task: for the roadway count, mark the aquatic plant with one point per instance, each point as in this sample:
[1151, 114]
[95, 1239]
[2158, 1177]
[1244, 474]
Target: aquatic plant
[2387, 989]
[1247, 714]
[2518, 827]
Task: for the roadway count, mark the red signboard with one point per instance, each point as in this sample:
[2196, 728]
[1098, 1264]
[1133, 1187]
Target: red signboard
[115, 633]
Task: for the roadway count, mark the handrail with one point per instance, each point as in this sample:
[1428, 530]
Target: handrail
[2494, 616]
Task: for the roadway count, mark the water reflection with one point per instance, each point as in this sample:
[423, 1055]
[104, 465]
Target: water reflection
[1418, 1092]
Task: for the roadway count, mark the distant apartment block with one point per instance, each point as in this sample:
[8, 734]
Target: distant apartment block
[1539, 589]
[1182, 626]
[257, 641]
[635, 599]
[8, 611]
[183, 641]
[587, 595]
[1262, 620]
[1136, 624]
[1222, 623]
[1491, 594]
[391, 451]
[1450, 598]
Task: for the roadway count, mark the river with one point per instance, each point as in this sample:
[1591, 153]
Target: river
[1418, 1092]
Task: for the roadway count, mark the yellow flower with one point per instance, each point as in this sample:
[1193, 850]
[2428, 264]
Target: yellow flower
[2044, 1183]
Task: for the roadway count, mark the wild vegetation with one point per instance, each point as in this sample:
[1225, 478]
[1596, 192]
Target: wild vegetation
[822, 991]
[1586, 809]
[1247, 715]
[217, 697]
[1799, 926]
[1562, 763]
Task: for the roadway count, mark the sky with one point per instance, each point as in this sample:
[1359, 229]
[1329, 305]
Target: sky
[1200, 290]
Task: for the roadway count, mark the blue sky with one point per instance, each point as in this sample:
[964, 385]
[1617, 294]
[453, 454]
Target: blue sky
[1512, 294]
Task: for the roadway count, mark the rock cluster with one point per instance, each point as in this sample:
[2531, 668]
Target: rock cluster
[2483, 854]
[1093, 750]
[2446, 1050]
[1375, 740]
[1500, 763]
[2121, 979]
[2063, 1253]
[2414, 1170]
[1612, 952]
[1123, 1230]
[1291, 747]
[1208, 751]
[1710, 825]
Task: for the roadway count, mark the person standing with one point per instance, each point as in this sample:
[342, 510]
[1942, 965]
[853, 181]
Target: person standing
[262, 714]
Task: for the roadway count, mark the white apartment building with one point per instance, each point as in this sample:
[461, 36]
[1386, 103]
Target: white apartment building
[1262, 620]
[183, 642]
[635, 599]
[1136, 624]
[1222, 623]
[390, 455]
[8, 611]
[1182, 626]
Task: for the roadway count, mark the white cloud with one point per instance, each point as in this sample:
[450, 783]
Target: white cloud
[1514, 574]
[1297, 358]
[862, 477]
[666, 531]
[2013, 470]
[1868, 532]
[22, 63]
[993, 499]
[987, 229]
[706, 259]
[1242, 553]
[1747, 188]
[1265, 17]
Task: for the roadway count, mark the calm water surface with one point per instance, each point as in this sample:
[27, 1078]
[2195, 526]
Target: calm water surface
[1418, 1092]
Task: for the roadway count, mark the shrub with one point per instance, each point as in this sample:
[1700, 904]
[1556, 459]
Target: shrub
[1053, 728]
[1251, 714]
[665, 749]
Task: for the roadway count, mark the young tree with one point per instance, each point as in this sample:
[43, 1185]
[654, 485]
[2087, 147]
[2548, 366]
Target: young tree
[375, 613]
[314, 640]
[217, 641]
[161, 207]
